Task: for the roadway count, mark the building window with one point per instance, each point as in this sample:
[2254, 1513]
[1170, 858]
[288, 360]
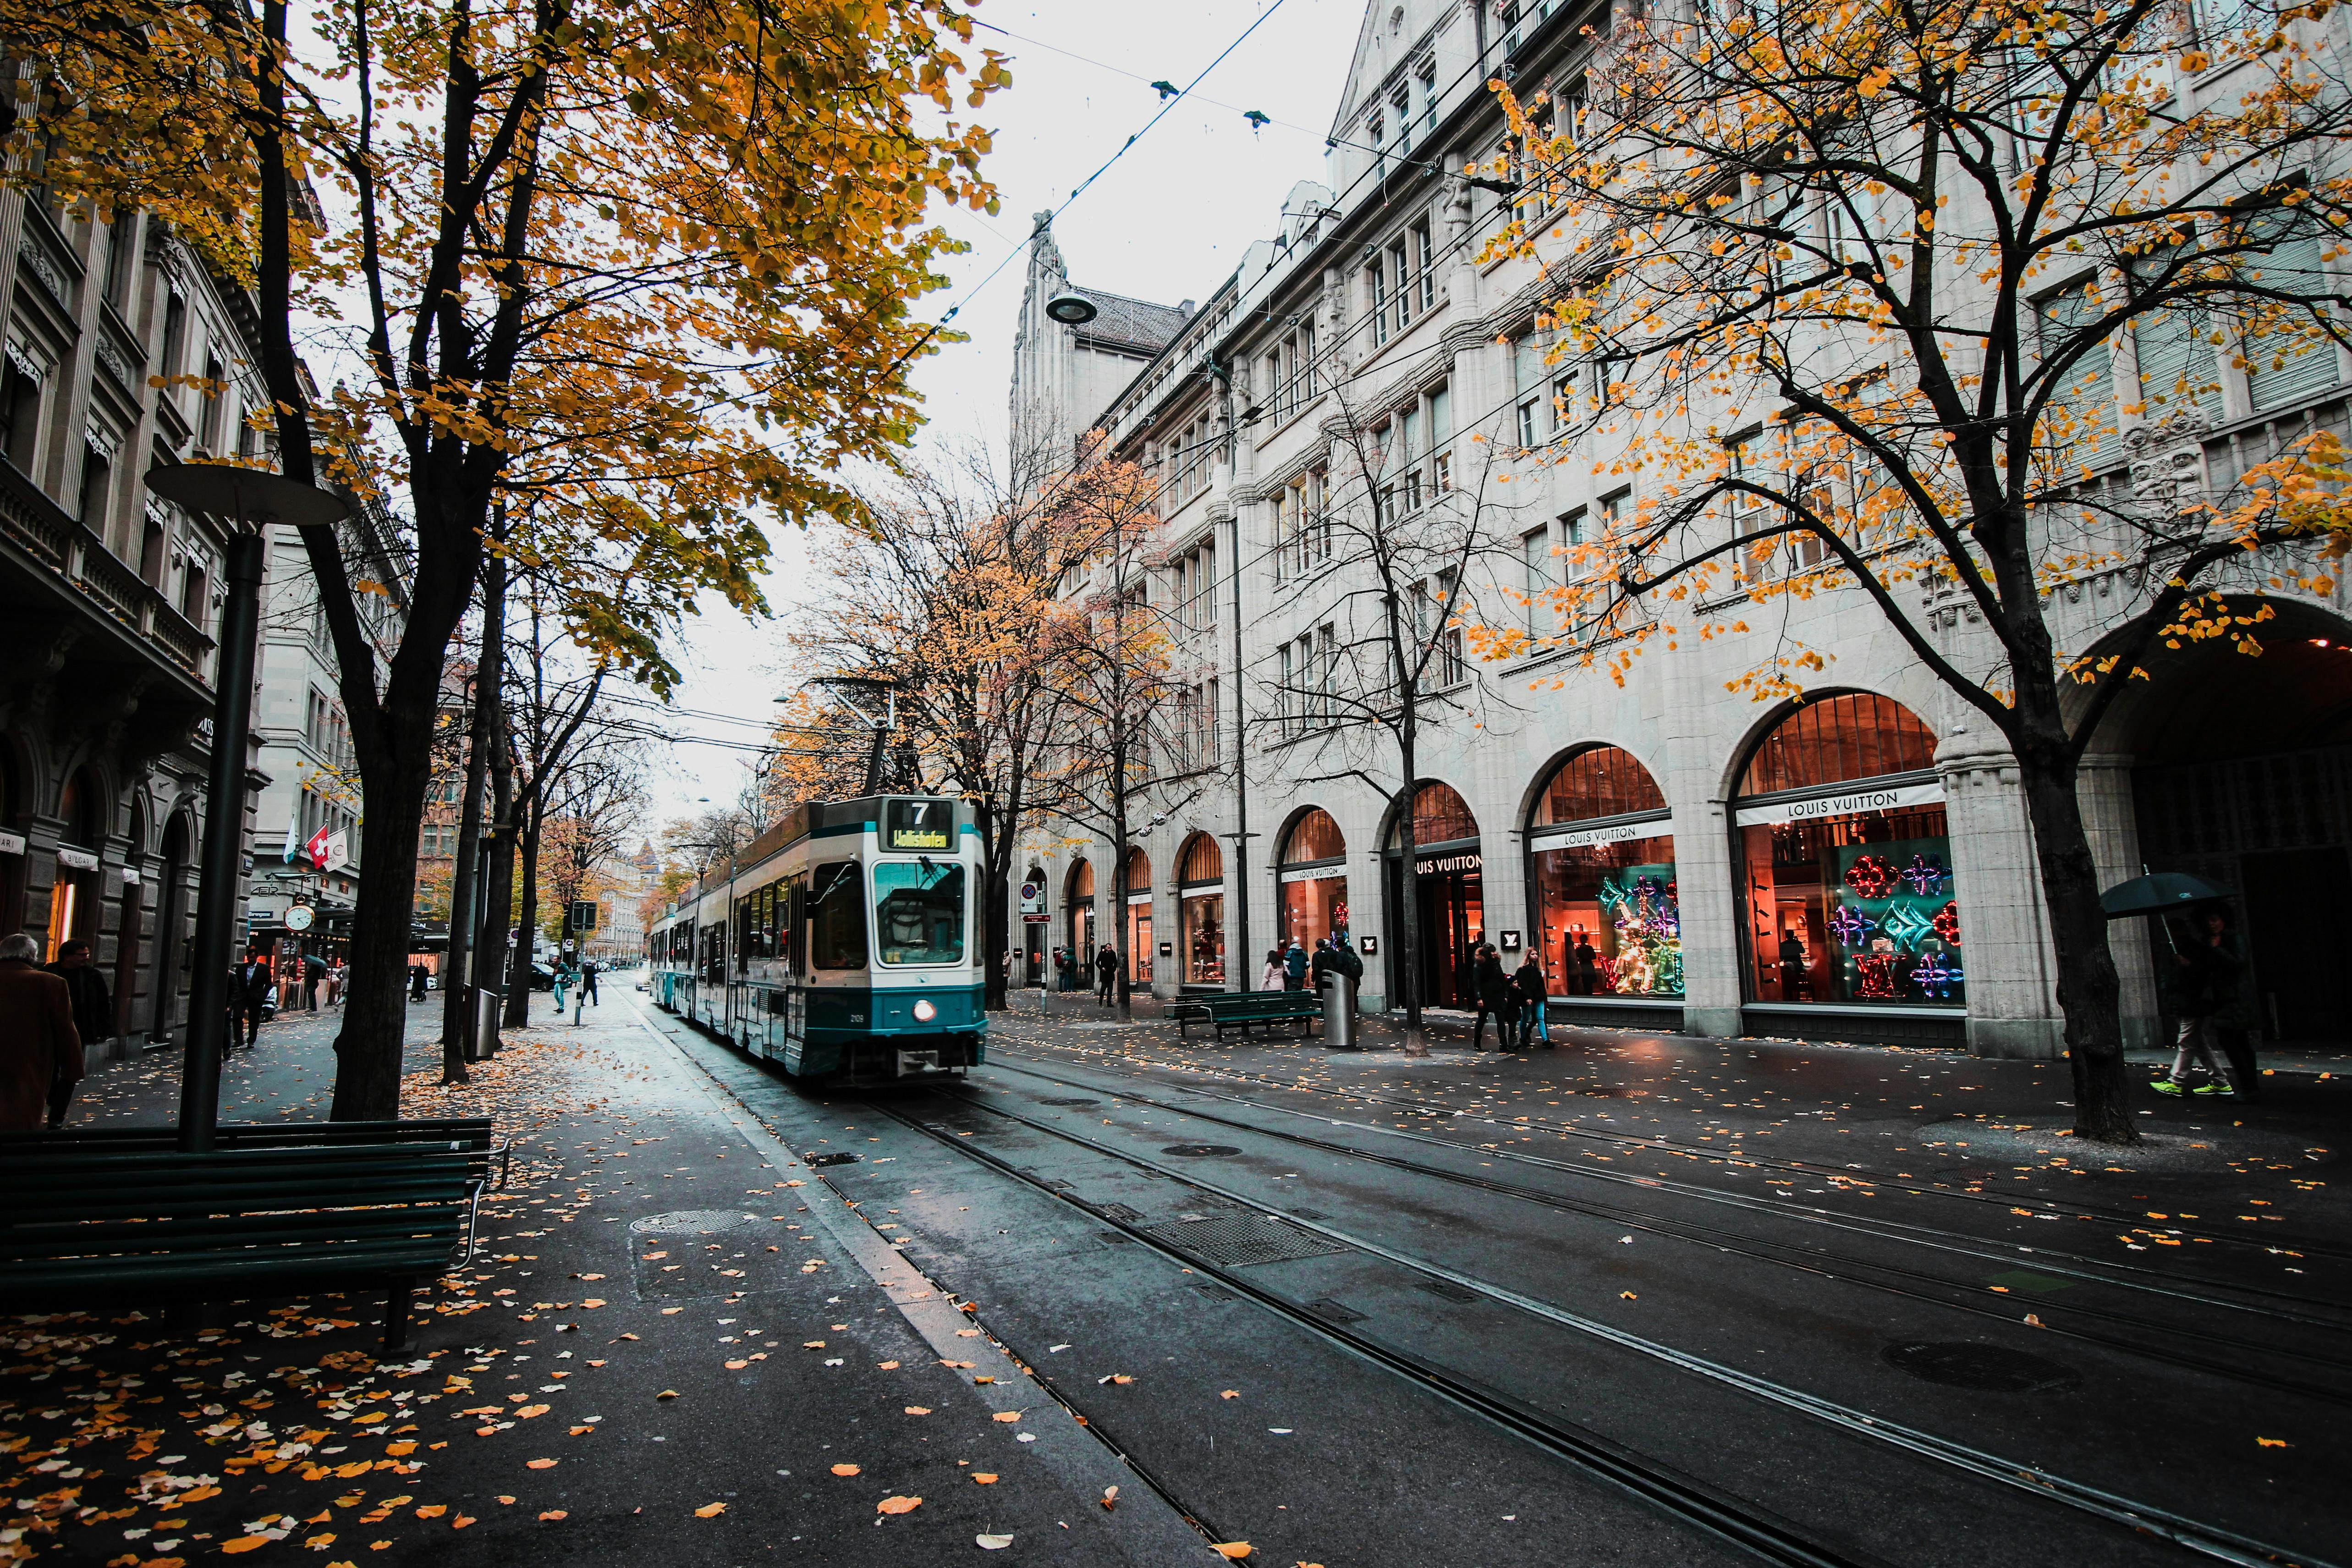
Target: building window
[1379, 282]
[1424, 263]
[1313, 867]
[20, 415]
[97, 474]
[1196, 587]
[1400, 276]
[1601, 876]
[1377, 135]
[215, 404]
[1139, 916]
[1201, 893]
[1848, 892]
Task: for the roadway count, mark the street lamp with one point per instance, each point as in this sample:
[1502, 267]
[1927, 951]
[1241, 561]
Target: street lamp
[242, 502]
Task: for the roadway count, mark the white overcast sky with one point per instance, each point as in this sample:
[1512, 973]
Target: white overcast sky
[1169, 222]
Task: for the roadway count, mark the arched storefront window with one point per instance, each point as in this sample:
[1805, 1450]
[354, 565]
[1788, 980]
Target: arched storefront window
[1201, 896]
[1600, 877]
[1080, 933]
[1313, 866]
[1451, 897]
[1139, 916]
[1848, 892]
[73, 897]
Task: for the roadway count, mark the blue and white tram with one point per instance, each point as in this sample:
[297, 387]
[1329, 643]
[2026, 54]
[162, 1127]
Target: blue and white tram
[842, 945]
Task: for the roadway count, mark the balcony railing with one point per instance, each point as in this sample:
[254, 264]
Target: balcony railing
[68, 548]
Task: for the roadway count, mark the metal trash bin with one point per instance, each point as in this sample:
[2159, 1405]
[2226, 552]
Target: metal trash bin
[1338, 1012]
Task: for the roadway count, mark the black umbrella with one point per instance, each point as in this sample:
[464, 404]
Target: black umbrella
[2157, 894]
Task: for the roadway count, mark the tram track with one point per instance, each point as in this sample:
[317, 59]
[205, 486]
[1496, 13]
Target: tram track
[1843, 1175]
[2074, 1266]
[1693, 1502]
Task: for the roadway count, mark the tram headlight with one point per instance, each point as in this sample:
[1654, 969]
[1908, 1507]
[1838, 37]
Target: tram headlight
[924, 1011]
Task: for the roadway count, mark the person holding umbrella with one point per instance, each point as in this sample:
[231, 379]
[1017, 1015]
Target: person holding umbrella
[2206, 977]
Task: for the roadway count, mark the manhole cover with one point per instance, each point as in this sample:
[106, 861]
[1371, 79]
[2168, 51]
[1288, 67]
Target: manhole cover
[689, 1222]
[1239, 1240]
[816, 1162]
[1089, 1103]
[1991, 1368]
[1200, 1149]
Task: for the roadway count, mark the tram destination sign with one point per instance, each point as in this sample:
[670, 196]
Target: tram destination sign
[1846, 803]
[918, 824]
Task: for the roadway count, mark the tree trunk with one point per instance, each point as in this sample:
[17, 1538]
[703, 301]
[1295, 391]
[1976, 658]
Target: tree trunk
[376, 1020]
[1416, 1044]
[464, 964]
[1119, 923]
[498, 906]
[2088, 991]
[526, 925]
[996, 883]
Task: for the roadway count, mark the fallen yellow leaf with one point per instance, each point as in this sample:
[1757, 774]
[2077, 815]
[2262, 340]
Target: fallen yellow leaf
[555, 1513]
[579, 1431]
[1627, 1296]
[245, 1543]
[984, 1379]
[983, 1477]
[796, 1183]
[710, 1510]
[398, 1450]
[461, 1522]
[1230, 1394]
[591, 1301]
[1122, 1379]
[528, 1411]
[899, 1505]
[198, 1494]
[812, 1345]
[502, 1498]
[967, 1333]
[433, 1511]
[367, 1420]
[667, 1394]
[1007, 1416]
[542, 1465]
[2272, 1442]
[672, 1312]
[596, 1363]
[844, 1470]
[1233, 1550]
[888, 1365]
[1110, 1496]
[919, 1410]
[992, 1542]
[736, 1365]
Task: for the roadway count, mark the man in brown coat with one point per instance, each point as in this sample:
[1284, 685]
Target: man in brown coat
[40, 1054]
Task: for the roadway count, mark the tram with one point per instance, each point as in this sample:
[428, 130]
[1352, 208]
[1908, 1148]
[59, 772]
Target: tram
[840, 944]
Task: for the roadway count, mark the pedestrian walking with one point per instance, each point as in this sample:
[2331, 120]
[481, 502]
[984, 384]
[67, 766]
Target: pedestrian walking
[1106, 974]
[2206, 975]
[40, 1051]
[1588, 966]
[567, 975]
[1535, 1028]
[1494, 988]
[1294, 966]
[336, 978]
[248, 998]
[1276, 977]
[93, 1008]
[417, 977]
[314, 982]
[588, 982]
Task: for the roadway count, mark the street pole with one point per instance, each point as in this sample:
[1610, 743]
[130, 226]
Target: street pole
[243, 501]
[223, 847]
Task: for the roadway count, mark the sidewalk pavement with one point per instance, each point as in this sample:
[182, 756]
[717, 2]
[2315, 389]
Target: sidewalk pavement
[714, 1362]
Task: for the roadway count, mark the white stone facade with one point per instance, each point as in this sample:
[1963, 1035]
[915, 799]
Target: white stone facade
[1228, 425]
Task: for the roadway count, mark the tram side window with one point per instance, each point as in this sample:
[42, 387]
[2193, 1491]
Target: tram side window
[836, 917]
[791, 909]
[918, 911]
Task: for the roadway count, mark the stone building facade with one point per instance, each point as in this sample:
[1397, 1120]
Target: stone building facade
[1858, 867]
[110, 599]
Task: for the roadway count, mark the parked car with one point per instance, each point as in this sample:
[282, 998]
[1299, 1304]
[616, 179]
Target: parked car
[542, 976]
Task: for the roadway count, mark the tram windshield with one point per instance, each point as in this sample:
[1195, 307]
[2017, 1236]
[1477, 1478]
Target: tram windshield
[919, 910]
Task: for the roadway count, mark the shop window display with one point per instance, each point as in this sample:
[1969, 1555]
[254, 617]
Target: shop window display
[1314, 871]
[1608, 919]
[1849, 888]
[1138, 917]
[1199, 874]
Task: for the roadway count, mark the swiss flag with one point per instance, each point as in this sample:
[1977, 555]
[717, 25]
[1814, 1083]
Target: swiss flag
[315, 851]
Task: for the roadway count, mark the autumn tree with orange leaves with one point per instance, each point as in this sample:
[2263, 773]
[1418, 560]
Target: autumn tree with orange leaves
[949, 590]
[1879, 298]
[645, 265]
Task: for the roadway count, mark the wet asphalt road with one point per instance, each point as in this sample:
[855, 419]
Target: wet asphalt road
[1639, 1301]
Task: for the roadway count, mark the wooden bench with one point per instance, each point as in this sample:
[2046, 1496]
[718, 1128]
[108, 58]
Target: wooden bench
[1244, 1010]
[97, 1220]
[472, 1135]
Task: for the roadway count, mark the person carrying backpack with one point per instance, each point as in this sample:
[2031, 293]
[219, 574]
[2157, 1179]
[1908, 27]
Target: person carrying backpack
[1534, 1028]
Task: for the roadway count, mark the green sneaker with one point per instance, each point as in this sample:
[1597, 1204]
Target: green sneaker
[2222, 1089]
[2164, 1085]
